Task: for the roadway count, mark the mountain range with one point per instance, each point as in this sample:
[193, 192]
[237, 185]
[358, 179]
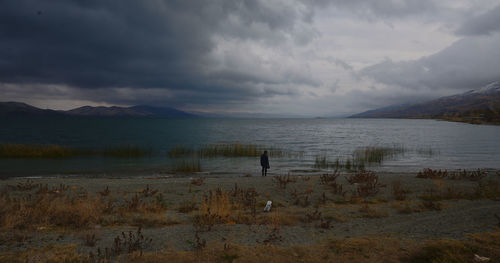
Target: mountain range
[481, 105]
[19, 109]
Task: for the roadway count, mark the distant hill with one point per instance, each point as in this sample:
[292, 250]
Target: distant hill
[476, 106]
[23, 109]
[14, 109]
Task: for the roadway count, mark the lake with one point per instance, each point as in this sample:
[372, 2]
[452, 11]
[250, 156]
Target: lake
[427, 143]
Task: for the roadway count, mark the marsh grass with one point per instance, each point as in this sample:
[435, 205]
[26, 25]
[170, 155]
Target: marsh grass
[376, 154]
[234, 149]
[50, 151]
[10, 150]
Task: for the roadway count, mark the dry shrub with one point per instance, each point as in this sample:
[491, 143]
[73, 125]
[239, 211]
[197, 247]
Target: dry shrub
[455, 175]
[147, 192]
[105, 192]
[326, 179]
[301, 198]
[283, 180]
[28, 185]
[398, 191]
[432, 174]
[366, 183]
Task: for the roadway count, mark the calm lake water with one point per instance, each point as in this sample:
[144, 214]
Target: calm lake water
[454, 145]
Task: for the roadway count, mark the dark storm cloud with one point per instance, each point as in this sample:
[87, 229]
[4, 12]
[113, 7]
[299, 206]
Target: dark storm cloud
[132, 44]
[486, 23]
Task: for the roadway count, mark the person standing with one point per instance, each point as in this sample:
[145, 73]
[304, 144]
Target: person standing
[264, 162]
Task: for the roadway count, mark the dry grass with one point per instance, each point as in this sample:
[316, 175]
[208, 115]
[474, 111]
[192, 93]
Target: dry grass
[362, 249]
[62, 206]
[370, 212]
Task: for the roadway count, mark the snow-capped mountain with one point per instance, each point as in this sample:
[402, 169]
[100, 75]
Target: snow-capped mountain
[478, 105]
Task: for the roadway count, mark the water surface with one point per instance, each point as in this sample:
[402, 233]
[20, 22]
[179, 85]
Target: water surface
[455, 145]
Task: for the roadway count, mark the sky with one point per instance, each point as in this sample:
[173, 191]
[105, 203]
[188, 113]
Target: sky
[279, 57]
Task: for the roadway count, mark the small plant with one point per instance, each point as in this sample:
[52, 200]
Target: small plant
[398, 191]
[130, 243]
[301, 199]
[327, 179]
[134, 203]
[90, 240]
[432, 174]
[283, 180]
[366, 182]
[28, 185]
[147, 192]
[105, 192]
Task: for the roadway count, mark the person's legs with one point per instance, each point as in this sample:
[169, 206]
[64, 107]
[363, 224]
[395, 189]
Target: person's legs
[263, 170]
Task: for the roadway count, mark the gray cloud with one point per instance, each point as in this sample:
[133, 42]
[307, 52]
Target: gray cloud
[486, 23]
[466, 64]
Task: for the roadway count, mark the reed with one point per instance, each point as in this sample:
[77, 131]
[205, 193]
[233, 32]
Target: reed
[234, 149]
[10, 150]
[375, 154]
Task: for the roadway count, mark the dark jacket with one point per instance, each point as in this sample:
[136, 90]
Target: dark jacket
[264, 161]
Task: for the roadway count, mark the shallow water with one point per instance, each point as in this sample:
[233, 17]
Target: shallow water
[454, 145]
